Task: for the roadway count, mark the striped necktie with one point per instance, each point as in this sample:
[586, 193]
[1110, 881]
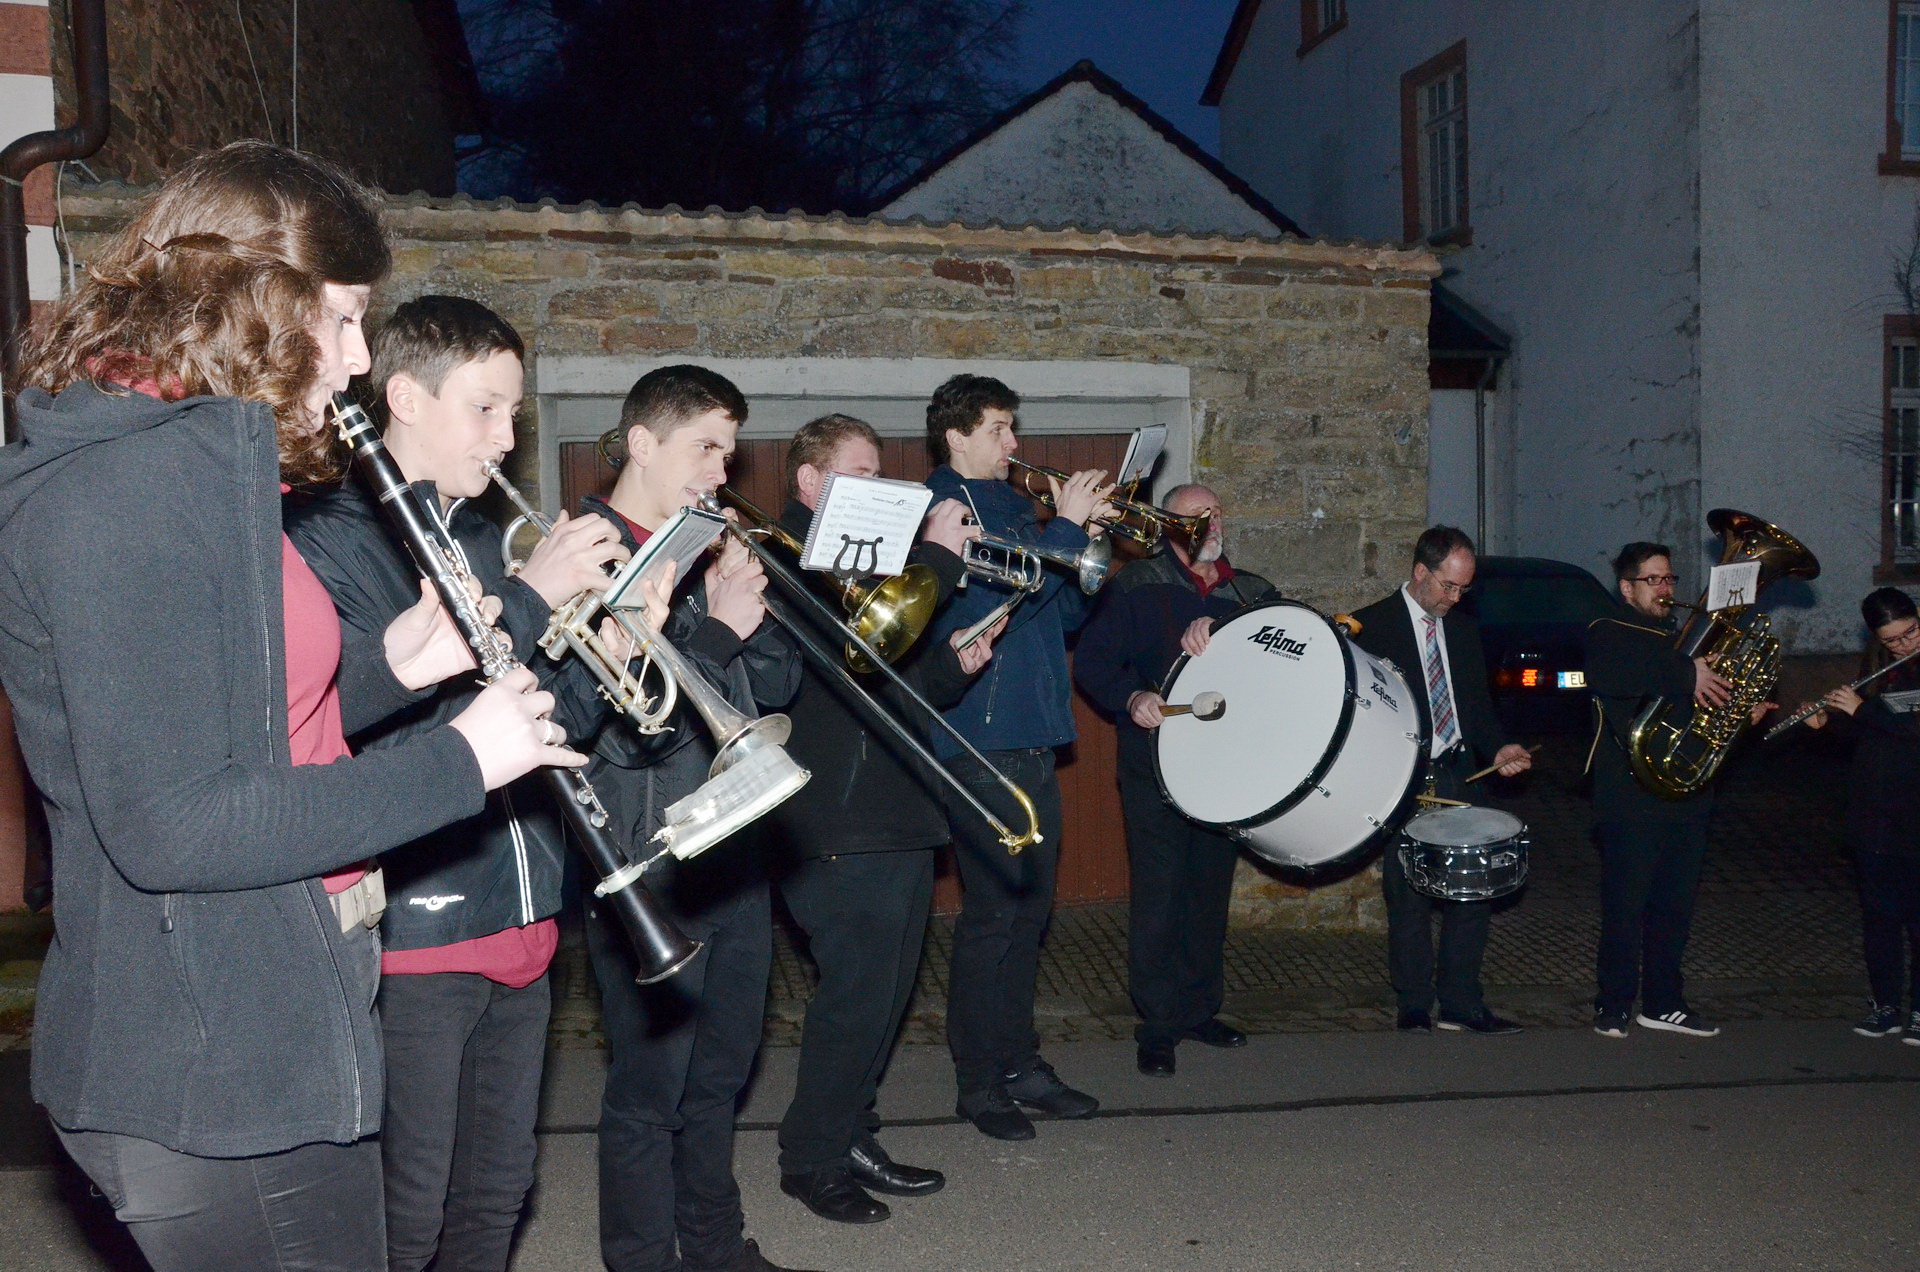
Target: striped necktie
[1446, 730]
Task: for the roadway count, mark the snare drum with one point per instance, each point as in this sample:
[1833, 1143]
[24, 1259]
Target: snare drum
[1316, 752]
[1465, 854]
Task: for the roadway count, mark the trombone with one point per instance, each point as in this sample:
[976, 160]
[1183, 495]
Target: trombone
[777, 572]
[749, 750]
[888, 616]
[1154, 522]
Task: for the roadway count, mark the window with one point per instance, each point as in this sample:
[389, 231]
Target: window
[1433, 150]
[1902, 154]
[1318, 20]
[1902, 519]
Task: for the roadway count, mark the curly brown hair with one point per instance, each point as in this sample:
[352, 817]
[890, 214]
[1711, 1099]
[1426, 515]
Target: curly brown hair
[212, 289]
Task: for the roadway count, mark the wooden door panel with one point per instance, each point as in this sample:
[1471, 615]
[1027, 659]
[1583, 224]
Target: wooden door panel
[1093, 851]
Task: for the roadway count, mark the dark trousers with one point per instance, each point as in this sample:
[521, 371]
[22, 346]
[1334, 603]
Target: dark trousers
[1649, 874]
[464, 1057]
[1417, 974]
[315, 1208]
[678, 1054]
[1007, 900]
[865, 916]
[1890, 926]
[1182, 879]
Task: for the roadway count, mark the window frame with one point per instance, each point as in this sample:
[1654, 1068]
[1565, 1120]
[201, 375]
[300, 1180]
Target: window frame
[1898, 331]
[1895, 160]
[1312, 33]
[1451, 61]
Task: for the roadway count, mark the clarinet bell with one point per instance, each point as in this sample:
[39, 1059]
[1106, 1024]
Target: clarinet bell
[659, 948]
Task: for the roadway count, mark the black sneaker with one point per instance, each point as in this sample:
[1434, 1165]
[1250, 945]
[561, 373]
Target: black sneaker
[1610, 1024]
[1039, 1087]
[993, 1114]
[1680, 1021]
[1880, 1022]
[1913, 1030]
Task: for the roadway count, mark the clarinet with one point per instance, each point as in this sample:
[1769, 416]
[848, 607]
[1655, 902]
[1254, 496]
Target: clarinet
[662, 949]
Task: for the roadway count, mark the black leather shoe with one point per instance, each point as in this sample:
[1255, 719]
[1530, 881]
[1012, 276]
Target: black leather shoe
[748, 1260]
[1039, 1087]
[1485, 1023]
[1217, 1033]
[832, 1194]
[1155, 1059]
[994, 1115]
[1415, 1020]
[872, 1168]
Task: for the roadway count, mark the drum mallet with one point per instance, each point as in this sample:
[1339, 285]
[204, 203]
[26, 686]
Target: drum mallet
[1491, 767]
[1205, 706]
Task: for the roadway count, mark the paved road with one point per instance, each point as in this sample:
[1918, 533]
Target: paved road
[1780, 1145]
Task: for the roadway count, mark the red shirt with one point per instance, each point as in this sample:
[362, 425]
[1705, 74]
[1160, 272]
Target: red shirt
[1224, 577]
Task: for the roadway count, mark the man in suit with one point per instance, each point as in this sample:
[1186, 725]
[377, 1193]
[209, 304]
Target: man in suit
[1418, 630]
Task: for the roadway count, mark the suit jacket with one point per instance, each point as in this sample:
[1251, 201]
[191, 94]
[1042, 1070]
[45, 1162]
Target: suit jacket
[1386, 631]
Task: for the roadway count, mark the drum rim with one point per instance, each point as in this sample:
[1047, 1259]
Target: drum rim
[1327, 757]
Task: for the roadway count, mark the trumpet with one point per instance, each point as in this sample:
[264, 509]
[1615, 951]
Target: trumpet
[1153, 523]
[888, 616]
[748, 749]
[1019, 566]
[661, 948]
[823, 614]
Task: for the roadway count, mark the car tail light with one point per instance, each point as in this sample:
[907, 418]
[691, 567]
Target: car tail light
[1530, 678]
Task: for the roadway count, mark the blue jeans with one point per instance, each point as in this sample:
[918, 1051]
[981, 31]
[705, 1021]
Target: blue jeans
[1004, 909]
[315, 1208]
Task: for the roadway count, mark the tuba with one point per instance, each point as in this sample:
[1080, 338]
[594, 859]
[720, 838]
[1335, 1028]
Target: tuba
[1675, 748]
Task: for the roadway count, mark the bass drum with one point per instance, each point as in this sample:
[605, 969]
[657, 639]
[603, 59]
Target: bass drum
[1317, 753]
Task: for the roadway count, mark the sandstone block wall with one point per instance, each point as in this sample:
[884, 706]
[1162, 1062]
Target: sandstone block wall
[1308, 360]
[189, 75]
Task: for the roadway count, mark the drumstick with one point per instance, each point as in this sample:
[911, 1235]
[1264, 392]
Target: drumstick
[1205, 706]
[1437, 799]
[1497, 764]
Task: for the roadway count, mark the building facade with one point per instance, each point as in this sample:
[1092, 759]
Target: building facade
[1690, 218]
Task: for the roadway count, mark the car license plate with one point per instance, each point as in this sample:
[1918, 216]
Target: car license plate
[1572, 679]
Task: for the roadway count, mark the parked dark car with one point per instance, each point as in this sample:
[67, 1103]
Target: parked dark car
[1533, 621]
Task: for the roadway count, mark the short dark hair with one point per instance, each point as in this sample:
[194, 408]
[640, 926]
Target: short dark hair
[1636, 554]
[817, 441]
[960, 404]
[666, 399]
[1886, 605]
[430, 337]
[1437, 543]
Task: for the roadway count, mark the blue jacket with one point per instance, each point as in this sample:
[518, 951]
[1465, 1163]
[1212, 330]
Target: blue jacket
[1024, 698]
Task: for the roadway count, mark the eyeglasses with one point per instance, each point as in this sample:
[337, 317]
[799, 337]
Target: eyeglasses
[1656, 580]
[1900, 637]
[1456, 590]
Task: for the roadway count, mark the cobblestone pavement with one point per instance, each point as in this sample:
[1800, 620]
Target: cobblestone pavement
[1776, 933]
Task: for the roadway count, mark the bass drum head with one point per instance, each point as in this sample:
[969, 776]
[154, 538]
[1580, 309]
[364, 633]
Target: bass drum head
[1283, 671]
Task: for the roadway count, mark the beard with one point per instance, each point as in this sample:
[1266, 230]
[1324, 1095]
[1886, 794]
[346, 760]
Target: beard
[1211, 550]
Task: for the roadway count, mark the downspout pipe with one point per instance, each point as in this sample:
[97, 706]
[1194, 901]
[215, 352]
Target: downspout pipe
[76, 141]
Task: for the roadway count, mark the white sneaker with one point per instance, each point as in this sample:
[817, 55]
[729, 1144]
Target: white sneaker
[1681, 1021]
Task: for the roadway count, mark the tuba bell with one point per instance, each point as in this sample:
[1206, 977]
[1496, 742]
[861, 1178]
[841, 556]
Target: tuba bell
[1674, 748]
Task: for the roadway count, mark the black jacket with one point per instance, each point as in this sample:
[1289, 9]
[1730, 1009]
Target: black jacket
[638, 775]
[1386, 631]
[869, 793]
[199, 991]
[1133, 638]
[1883, 783]
[1631, 658]
[503, 868]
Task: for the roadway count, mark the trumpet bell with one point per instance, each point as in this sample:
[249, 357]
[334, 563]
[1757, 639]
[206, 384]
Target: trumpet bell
[890, 615]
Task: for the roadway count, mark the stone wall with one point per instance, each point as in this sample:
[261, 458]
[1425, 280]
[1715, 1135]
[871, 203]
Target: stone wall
[189, 75]
[1308, 360]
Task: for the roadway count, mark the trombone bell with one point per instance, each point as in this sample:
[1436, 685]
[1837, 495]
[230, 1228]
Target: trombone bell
[890, 615]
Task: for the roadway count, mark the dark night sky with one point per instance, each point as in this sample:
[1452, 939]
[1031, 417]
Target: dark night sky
[1161, 50]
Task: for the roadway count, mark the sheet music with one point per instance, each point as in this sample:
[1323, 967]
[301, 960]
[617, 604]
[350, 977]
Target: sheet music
[680, 540]
[1143, 452]
[1906, 702]
[1736, 584]
[865, 525]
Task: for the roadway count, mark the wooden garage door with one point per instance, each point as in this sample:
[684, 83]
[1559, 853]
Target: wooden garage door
[1093, 850]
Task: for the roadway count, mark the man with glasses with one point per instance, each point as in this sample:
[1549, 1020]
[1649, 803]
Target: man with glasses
[1883, 813]
[1438, 650]
[1650, 847]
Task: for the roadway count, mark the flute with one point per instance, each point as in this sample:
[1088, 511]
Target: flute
[1816, 707]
